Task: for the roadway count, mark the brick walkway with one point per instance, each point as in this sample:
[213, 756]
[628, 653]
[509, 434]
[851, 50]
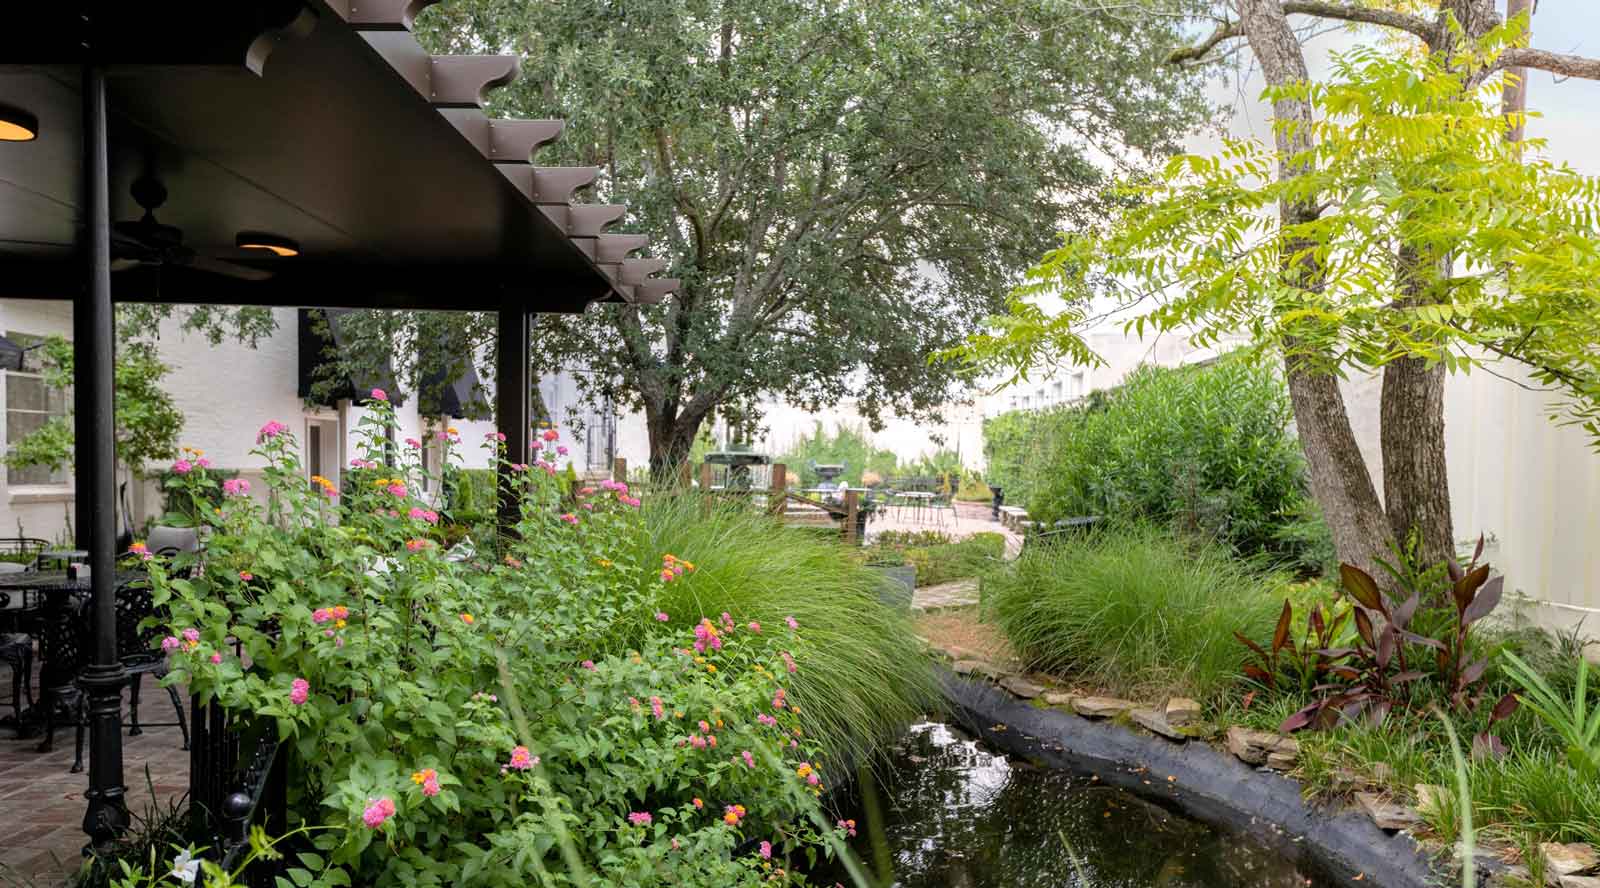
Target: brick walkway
[41, 802]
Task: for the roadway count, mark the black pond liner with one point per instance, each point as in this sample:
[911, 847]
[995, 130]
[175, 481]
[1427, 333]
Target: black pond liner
[1210, 786]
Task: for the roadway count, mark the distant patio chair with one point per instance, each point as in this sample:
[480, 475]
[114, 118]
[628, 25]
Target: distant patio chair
[172, 540]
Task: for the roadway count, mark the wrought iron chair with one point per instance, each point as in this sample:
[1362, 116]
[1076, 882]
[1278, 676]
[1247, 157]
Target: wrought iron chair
[138, 648]
[16, 650]
[21, 550]
[65, 647]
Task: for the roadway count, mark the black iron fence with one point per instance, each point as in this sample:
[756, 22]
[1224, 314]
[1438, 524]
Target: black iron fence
[237, 780]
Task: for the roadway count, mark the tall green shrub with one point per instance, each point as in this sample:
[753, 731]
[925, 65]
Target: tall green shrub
[846, 444]
[1208, 448]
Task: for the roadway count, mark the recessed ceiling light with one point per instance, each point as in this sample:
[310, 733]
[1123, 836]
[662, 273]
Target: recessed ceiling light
[261, 240]
[17, 125]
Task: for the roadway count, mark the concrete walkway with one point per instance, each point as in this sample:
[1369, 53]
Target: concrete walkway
[956, 593]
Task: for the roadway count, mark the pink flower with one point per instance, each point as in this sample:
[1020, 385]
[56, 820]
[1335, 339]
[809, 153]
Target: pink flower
[299, 691]
[398, 488]
[414, 443]
[141, 550]
[619, 486]
[587, 507]
[418, 513]
[551, 435]
[430, 787]
[697, 741]
[521, 759]
[416, 545]
[667, 575]
[749, 760]
[569, 518]
[778, 698]
[661, 616]
[170, 643]
[562, 450]
[766, 850]
[788, 661]
[727, 618]
[630, 501]
[793, 624]
[755, 627]
[321, 615]
[379, 395]
[246, 575]
[191, 634]
[586, 491]
[849, 826]
[494, 436]
[181, 467]
[639, 818]
[203, 463]
[588, 664]
[271, 430]
[216, 658]
[235, 487]
[656, 708]
[377, 812]
[767, 720]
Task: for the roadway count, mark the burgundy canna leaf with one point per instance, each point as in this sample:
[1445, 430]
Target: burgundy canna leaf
[1361, 586]
[1487, 746]
[1364, 627]
[1402, 615]
[1280, 635]
[1386, 642]
[1487, 599]
[1250, 644]
[1466, 587]
[1504, 707]
[1473, 672]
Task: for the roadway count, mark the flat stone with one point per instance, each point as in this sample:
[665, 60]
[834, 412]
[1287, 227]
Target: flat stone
[1262, 748]
[1580, 882]
[1155, 721]
[1575, 859]
[1059, 698]
[1182, 711]
[1387, 814]
[977, 667]
[1022, 687]
[1510, 877]
[1102, 707]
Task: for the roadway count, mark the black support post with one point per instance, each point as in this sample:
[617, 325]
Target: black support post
[511, 400]
[94, 406]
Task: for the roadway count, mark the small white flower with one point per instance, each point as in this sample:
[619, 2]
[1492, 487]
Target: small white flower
[185, 866]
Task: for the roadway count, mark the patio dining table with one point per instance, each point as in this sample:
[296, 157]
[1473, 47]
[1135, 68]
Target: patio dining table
[55, 624]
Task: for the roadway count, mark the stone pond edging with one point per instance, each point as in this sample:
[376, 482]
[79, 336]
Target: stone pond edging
[1205, 783]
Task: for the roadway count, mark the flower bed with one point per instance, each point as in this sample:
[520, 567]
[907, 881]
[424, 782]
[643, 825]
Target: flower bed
[454, 718]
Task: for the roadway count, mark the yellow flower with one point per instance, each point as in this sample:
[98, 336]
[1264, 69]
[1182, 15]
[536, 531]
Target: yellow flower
[451, 431]
[466, 618]
[338, 624]
[711, 667]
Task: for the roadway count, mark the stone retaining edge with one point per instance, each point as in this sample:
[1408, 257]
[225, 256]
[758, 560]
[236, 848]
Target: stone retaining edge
[1209, 785]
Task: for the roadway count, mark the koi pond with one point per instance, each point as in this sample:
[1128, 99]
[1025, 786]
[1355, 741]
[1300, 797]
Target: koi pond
[948, 813]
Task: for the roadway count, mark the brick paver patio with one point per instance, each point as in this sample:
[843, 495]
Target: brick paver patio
[41, 802]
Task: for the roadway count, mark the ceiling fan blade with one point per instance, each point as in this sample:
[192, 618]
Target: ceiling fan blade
[220, 266]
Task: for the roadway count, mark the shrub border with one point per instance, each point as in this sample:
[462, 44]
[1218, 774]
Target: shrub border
[1213, 787]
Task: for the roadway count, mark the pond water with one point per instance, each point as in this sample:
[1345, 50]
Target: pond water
[948, 813]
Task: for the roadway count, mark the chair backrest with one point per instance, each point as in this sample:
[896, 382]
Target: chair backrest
[173, 539]
[21, 551]
[134, 604]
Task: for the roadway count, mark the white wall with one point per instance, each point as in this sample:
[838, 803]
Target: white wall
[43, 511]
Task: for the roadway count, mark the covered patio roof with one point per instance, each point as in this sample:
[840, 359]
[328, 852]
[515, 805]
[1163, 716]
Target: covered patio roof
[310, 121]
[167, 137]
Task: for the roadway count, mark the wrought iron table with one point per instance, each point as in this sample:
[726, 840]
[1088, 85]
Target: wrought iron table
[60, 639]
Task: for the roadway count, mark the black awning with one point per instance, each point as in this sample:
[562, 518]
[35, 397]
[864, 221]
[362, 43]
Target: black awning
[11, 354]
[319, 337]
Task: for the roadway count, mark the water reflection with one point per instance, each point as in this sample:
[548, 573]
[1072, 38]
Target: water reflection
[950, 813]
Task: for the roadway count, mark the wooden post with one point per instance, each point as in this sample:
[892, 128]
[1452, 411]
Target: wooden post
[850, 507]
[778, 495]
[705, 490]
[619, 469]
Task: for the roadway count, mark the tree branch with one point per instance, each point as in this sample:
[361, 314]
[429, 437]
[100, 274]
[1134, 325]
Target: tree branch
[1404, 21]
[1562, 64]
[1224, 31]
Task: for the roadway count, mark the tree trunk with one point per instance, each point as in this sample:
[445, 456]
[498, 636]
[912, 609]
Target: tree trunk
[671, 439]
[1340, 481]
[1416, 487]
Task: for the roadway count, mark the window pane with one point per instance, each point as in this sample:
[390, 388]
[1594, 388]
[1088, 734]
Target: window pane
[25, 392]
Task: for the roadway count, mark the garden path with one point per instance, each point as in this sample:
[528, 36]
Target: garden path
[968, 519]
[956, 593]
[41, 801]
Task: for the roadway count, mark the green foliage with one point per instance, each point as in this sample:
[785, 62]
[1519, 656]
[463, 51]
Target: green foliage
[1576, 724]
[937, 557]
[848, 445]
[1134, 610]
[148, 420]
[1205, 448]
[511, 717]
[842, 188]
[1497, 247]
[873, 680]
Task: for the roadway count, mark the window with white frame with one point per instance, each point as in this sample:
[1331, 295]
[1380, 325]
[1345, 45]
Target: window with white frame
[30, 404]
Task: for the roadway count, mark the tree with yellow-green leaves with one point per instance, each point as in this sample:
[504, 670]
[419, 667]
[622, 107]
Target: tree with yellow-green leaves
[1391, 227]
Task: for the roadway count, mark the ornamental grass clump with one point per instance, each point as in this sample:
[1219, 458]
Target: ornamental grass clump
[540, 713]
[1134, 610]
[870, 679]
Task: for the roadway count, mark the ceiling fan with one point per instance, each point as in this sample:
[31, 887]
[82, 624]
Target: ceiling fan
[146, 242]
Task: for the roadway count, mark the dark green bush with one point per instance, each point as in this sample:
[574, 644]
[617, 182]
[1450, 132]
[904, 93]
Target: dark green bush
[1206, 448]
